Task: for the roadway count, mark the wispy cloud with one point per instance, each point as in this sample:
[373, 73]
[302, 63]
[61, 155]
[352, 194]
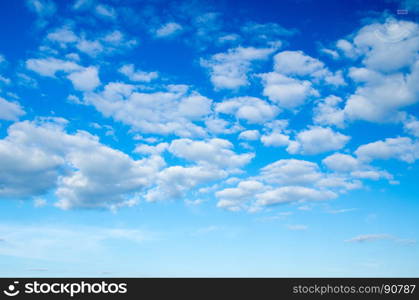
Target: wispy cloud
[341, 211]
[365, 238]
[297, 227]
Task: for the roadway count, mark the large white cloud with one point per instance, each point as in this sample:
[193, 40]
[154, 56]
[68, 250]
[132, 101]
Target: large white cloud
[388, 46]
[379, 97]
[284, 181]
[298, 64]
[37, 157]
[236, 198]
[275, 139]
[387, 80]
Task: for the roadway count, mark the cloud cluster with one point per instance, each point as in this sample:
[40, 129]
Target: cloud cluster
[285, 181]
[38, 157]
[389, 72]
[170, 111]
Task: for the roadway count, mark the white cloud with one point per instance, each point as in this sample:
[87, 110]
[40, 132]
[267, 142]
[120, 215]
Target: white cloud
[171, 111]
[284, 181]
[402, 148]
[335, 79]
[174, 182]
[275, 139]
[291, 172]
[86, 79]
[229, 70]
[354, 169]
[251, 109]
[103, 43]
[289, 194]
[168, 29]
[50, 66]
[285, 91]
[341, 162]
[62, 35]
[10, 111]
[92, 48]
[137, 75]
[235, 199]
[411, 125]
[215, 152]
[249, 135]
[297, 63]
[317, 140]
[327, 112]
[387, 80]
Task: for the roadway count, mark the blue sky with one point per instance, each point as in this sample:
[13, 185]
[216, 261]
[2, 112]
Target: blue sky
[194, 138]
